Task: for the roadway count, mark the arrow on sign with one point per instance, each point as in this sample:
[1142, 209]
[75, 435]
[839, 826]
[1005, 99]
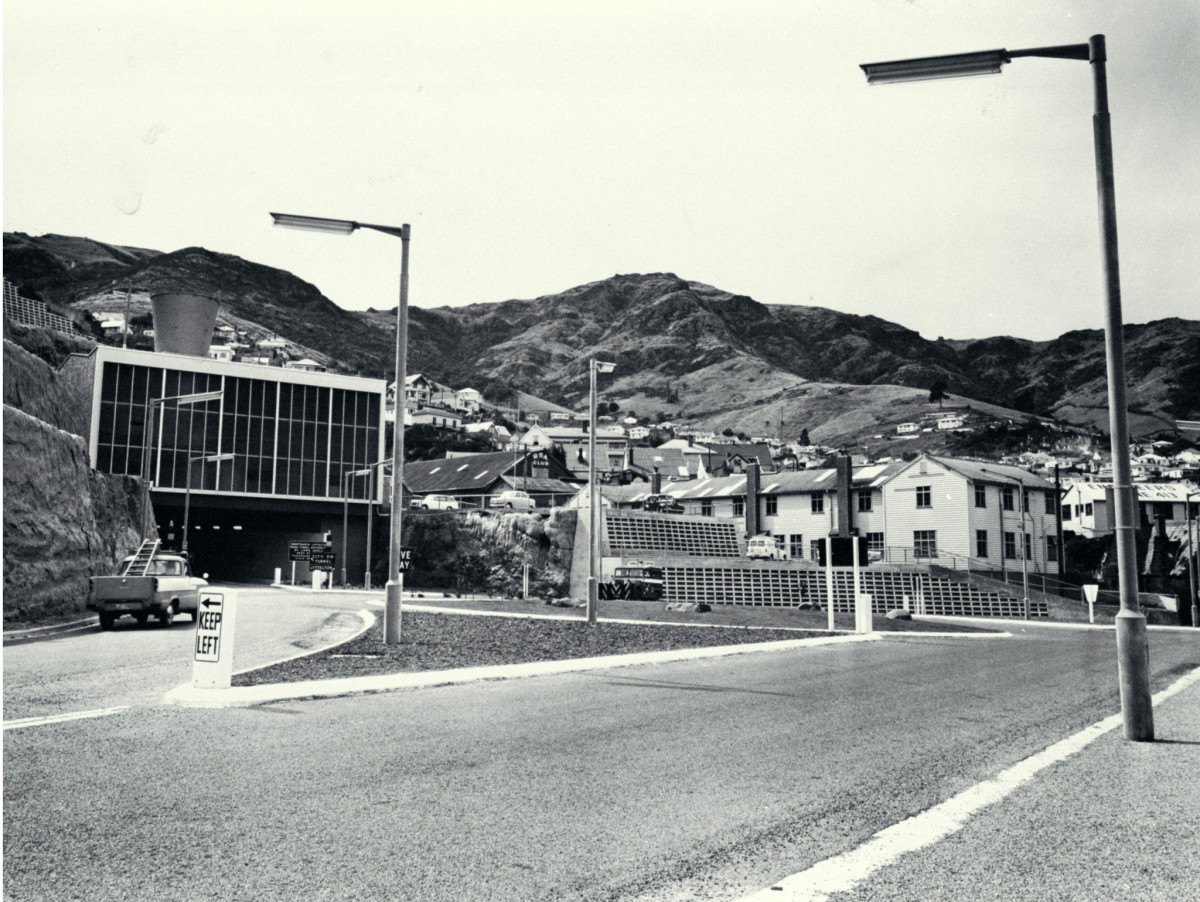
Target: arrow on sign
[209, 603]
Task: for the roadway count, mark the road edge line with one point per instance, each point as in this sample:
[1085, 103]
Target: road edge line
[843, 872]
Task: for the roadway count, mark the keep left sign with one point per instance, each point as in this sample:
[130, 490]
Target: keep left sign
[213, 664]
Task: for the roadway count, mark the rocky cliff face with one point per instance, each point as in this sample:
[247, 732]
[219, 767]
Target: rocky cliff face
[63, 522]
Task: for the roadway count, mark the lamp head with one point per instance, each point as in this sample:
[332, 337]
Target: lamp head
[314, 223]
[200, 398]
[957, 65]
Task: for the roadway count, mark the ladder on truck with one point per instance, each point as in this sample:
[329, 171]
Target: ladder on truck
[137, 566]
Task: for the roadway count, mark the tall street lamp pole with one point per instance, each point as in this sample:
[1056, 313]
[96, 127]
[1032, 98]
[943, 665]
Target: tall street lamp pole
[347, 476]
[1133, 652]
[187, 492]
[593, 589]
[148, 445]
[395, 583]
[1192, 568]
[1024, 568]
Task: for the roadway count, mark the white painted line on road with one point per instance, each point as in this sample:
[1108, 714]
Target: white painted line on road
[61, 718]
[844, 872]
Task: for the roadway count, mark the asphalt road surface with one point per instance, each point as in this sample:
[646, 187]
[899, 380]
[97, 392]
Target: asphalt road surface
[133, 665]
[701, 780]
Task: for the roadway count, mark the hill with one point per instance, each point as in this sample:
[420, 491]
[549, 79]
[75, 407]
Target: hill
[683, 350]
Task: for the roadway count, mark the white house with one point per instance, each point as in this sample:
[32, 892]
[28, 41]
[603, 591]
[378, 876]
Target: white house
[468, 399]
[436, 416]
[306, 364]
[908, 428]
[220, 352]
[951, 421]
[637, 433]
[990, 514]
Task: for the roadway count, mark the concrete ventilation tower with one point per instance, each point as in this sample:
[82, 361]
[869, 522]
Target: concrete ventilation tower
[183, 323]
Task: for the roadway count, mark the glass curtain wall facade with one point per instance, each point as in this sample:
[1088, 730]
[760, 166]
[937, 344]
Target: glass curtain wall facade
[288, 439]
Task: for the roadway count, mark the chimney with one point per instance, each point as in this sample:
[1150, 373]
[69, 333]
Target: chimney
[845, 513]
[183, 323]
[752, 499]
[656, 483]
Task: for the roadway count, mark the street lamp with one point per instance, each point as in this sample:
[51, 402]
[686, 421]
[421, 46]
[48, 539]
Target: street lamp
[593, 590]
[147, 444]
[1192, 569]
[1133, 652]
[395, 583]
[187, 494]
[1024, 538]
[346, 518]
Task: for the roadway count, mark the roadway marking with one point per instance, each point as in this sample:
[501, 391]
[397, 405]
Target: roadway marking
[61, 718]
[844, 872]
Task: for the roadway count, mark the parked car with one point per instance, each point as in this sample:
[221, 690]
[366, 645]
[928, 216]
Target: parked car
[514, 500]
[765, 548]
[439, 503]
[663, 504]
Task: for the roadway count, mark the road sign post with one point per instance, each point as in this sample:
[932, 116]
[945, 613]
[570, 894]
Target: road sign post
[212, 667]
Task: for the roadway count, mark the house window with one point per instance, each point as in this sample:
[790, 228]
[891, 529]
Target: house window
[864, 500]
[1010, 546]
[981, 549]
[772, 503]
[796, 546]
[815, 547]
[1025, 499]
[924, 496]
[1028, 546]
[1051, 549]
[925, 543]
[1006, 498]
[980, 496]
[875, 543]
[739, 507]
[780, 543]
[1051, 502]
[706, 508]
[1066, 512]
[818, 504]
[1087, 509]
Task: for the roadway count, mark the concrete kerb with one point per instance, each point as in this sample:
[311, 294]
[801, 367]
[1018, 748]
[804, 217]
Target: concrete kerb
[247, 696]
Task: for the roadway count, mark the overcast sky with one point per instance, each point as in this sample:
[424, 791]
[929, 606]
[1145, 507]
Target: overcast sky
[535, 146]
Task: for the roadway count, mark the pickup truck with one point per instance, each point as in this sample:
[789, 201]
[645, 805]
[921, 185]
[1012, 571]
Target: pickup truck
[166, 588]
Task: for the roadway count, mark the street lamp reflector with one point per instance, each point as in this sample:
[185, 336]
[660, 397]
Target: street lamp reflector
[602, 367]
[314, 223]
[957, 65]
[198, 398]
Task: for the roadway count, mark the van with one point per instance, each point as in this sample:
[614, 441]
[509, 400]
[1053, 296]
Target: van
[765, 548]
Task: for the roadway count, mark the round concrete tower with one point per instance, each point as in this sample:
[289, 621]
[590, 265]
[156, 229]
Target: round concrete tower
[183, 323]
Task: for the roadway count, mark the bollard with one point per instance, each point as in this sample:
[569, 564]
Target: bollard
[862, 614]
[212, 667]
[278, 577]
